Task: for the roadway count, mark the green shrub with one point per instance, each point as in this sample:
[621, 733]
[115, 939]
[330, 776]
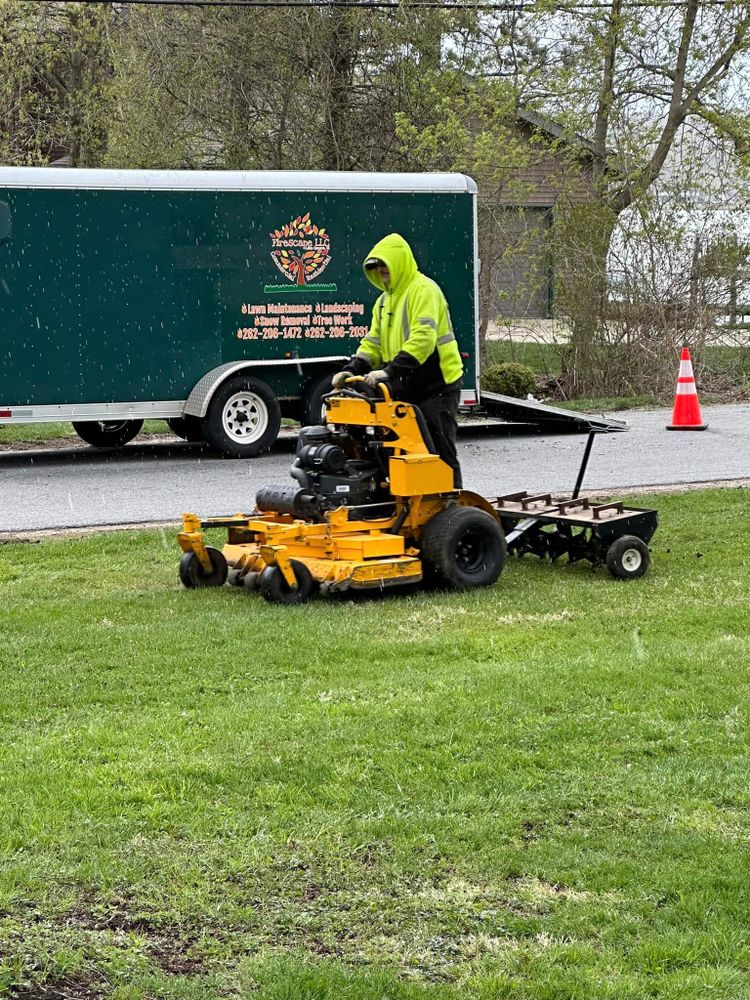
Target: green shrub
[509, 379]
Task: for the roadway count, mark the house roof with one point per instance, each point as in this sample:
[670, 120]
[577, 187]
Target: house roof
[554, 129]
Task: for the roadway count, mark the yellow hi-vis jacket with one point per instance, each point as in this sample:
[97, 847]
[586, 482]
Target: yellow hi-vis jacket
[411, 335]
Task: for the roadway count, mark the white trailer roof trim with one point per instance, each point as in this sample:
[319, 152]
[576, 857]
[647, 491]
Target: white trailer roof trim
[73, 178]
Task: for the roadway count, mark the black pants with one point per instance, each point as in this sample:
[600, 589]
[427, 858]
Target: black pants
[441, 412]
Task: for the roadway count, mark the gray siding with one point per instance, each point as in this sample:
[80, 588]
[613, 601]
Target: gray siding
[521, 281]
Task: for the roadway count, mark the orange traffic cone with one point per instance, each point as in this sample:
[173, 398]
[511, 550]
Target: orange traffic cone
[686, 415]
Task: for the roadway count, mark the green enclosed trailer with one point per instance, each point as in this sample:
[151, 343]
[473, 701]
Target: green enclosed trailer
[220, 301]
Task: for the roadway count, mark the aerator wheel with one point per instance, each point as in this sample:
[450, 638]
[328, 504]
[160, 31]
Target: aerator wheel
[276, 590]
[463, 547]
[628, 558]
[194, 575]
[107, 433]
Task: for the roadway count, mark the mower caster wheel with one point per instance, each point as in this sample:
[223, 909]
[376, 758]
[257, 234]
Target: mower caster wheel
[193, 574]
[250, 581]
[276, 590]
[235, 578]
[628, 558]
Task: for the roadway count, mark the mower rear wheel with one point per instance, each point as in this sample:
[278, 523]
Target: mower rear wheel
[628, 558]
[462, 547]
[276, 590]
[194, 575]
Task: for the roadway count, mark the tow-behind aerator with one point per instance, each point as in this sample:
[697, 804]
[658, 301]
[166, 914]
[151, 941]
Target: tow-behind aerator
[372, 506]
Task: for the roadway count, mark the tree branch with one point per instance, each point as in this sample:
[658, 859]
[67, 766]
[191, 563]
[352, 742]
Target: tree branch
[605, 97]
[720, 65]
[644, 178]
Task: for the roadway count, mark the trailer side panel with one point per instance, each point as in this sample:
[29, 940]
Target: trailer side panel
[119, 295]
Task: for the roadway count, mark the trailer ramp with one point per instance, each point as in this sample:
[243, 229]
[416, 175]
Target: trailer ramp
[545, 417]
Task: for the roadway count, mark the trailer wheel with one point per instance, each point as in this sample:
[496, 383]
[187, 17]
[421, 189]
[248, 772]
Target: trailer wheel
[313, 407]
[463, 547]
[193, 575]
[628, 558]
[243, 418]
[276, 590]
[188, 428]
[107, 433]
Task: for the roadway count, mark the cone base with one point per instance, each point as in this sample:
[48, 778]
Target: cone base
[686, 427]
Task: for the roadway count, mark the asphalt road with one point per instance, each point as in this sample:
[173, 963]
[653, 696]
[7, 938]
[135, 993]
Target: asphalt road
[154, 482]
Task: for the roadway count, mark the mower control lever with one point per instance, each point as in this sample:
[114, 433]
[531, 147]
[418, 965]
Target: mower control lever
[383, 386]
[361, 391]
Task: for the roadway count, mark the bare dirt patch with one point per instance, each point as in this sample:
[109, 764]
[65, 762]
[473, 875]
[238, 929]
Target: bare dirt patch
[69, 988]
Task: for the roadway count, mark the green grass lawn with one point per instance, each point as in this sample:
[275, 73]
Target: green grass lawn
[10, 434]
[534, 791]
[545, 358]
[33, 433]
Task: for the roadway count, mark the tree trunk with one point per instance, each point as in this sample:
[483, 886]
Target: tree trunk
[340, 57]
[581, 240]
[74, 99]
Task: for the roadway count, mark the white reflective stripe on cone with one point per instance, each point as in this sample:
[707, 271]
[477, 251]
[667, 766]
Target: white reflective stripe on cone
[686, 369]
[686, 389]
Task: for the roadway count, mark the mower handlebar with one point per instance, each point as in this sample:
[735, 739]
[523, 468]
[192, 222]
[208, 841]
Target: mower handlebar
[351, 392]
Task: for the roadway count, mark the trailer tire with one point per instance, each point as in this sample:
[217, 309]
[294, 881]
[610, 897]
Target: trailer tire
[193, 575]
[462, 547]
[107, 433]
[276, 590]
[313, 407]
[243, 418]
[628, 557]
[188, 428]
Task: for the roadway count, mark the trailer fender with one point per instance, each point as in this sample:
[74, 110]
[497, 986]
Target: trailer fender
[200, 397]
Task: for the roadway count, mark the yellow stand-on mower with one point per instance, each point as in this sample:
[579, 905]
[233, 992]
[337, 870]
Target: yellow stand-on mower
[371, 506]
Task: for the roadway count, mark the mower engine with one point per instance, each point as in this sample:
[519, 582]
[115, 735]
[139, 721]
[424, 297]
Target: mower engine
[331, 467]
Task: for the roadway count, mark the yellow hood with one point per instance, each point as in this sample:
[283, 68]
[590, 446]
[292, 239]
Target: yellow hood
[396, 254]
